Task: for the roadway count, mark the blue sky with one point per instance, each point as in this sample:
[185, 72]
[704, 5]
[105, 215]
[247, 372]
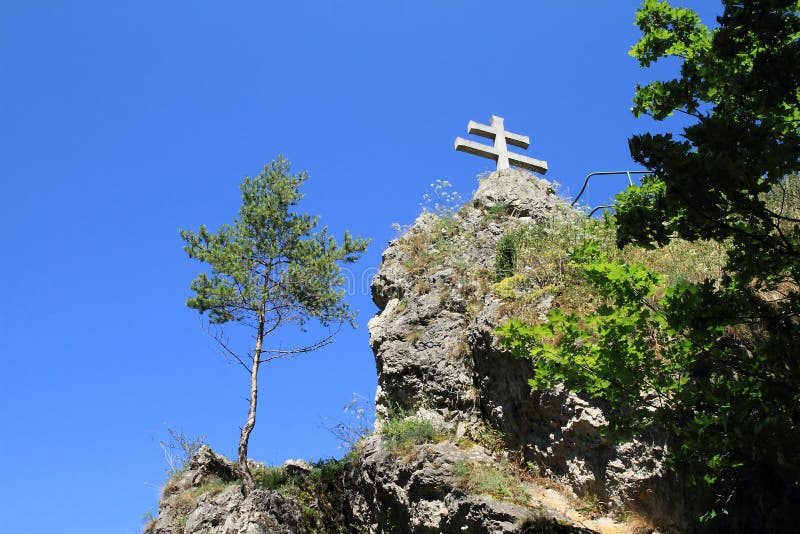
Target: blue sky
[122, 122]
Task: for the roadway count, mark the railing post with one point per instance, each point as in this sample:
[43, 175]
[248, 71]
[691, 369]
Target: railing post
[605, 173]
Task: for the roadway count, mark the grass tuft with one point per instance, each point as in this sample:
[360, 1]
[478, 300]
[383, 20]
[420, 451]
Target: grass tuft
[214, 486]
[489, 479]
[404, 432]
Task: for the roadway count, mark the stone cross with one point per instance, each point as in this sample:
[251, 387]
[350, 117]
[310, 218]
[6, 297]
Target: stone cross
[499, 152]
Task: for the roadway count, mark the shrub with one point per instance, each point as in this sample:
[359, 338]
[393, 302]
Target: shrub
[328, 471]
[506, 257]
[271, 478]
[542, 251]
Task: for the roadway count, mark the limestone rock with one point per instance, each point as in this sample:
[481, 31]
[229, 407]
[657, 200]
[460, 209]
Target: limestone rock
[520, 193]
[435, 348]
[383, 491]
[296, 467]
[418, 494]
[206, 465]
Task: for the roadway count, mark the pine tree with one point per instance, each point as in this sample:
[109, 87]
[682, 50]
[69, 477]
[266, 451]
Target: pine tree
[272, 267]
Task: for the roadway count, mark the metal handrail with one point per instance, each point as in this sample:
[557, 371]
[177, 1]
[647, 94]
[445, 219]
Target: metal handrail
[588, 176]
[604, 206]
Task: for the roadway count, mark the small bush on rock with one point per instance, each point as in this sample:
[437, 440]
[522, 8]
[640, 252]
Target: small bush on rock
[489, 479]
[271, 478]
[400, 432]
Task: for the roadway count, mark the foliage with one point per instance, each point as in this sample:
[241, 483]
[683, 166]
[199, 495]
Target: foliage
[182, 505]
[543, 274]
[400, 432]
[496, 212]
[541, 251]
[489, 479]
[213, 486]
[272, 478]
[321, 472]
[271, 256]
[740, 84]
[714, 361]
[603, 353]
[319, 492]
[430, 246]
[732, 179]
[528, 270]
[676, 355]
[505, 256]
[491, 438]
[328, 471]
[271, 268]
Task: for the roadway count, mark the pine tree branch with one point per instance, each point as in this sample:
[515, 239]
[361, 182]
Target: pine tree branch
[277, 354]
[223, 344]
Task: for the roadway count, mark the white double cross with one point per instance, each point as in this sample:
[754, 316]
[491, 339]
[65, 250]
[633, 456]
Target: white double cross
[499, 152]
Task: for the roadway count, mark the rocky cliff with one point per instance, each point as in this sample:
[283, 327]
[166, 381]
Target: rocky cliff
[462, 444]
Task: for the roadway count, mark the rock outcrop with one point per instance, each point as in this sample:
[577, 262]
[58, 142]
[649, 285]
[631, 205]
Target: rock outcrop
[421, 492]
[435, 350]
[417, 489]
[438, 360]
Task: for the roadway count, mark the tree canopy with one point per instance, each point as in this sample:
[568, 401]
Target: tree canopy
[716, 363]
[272, 267]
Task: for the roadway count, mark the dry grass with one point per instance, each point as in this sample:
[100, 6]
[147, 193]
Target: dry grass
[460, 350]
[543, 275]
[171, 487]
[491, 479]
[414, 336]
[213, 486]
[591, 507]
[490, 438]
[422, 286]
[427, 247]
[184, 502]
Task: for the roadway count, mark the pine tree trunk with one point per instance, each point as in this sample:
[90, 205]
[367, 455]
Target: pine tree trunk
[248, 484]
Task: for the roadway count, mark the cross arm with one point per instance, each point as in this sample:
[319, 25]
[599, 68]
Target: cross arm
[478, 149]
[525, 162]
[490, 132]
